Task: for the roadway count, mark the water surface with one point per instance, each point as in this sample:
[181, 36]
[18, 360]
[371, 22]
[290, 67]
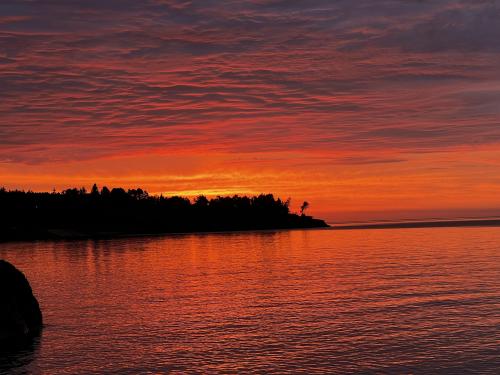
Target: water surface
[314, 301]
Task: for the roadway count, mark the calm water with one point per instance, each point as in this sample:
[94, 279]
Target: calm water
[374, 301]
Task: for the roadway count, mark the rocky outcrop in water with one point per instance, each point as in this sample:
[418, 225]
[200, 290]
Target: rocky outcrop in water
[20, 315]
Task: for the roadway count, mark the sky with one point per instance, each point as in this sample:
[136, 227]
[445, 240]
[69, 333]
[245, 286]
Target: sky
[367, 109]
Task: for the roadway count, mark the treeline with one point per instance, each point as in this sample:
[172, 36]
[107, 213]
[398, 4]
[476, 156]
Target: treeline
[107, 212]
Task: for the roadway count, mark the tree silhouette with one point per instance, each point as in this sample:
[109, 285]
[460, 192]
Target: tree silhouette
[30, 215]
[105, 192]
[304, 207]
[201, 201]
[94, 191]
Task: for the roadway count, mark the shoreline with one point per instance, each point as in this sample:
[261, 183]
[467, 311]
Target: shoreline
[421, 224]
[63, 235]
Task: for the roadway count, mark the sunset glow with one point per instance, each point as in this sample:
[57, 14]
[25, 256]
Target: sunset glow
[367, 109]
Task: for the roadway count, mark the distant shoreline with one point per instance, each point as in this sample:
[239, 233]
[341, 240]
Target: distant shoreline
[420, 224]
[61, 235]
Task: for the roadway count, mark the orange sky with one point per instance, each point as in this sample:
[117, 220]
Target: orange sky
[438, 184]
[368, 110]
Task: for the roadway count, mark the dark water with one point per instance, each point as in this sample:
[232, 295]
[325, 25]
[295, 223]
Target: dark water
[397, 301]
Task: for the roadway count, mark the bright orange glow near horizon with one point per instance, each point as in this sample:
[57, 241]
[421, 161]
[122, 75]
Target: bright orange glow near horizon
[367, 110]
[409, 189]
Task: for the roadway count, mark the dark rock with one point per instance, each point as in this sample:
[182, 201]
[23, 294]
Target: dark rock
[20, 315]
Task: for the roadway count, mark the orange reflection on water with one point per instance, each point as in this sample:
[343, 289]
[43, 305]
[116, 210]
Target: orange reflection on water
[404, 300]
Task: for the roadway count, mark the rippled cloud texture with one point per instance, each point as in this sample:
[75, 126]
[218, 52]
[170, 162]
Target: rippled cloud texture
[367, 104]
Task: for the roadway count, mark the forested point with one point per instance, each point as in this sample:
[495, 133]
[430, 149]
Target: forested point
[76, 213]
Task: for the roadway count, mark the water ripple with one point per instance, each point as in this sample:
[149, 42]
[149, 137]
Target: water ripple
[414, 301]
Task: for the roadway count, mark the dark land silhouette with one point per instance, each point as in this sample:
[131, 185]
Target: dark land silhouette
[20, 315]
[76, 213]
[422, 224]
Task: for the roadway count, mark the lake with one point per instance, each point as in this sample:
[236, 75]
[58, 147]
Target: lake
[396, 301]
